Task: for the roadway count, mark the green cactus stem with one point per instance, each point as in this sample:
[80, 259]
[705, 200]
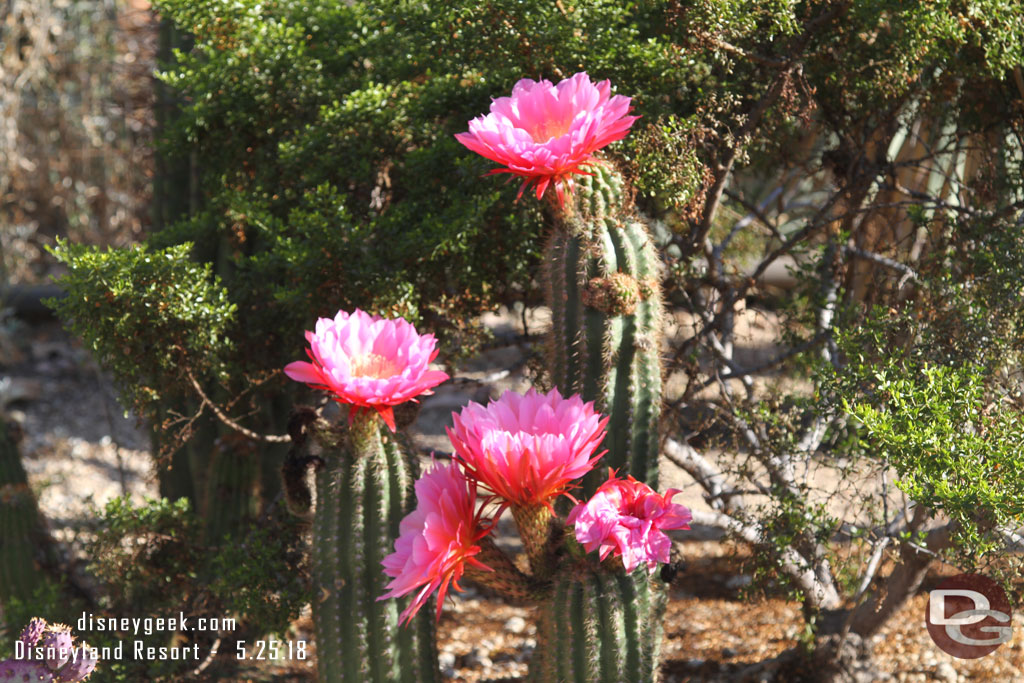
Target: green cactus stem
[599, 626]
[603, 286]
[364, 487]
[504, 576]
[231, 484]
[21, 534]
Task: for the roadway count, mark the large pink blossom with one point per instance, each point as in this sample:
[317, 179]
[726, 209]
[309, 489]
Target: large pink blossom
[369, 362]
[436, 540]
[527, 449]
[626, 517]
[546, 133]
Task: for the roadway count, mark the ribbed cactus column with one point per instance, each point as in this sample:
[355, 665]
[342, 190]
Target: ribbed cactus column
[19, 524]
[230, 487]
[600, 627]
[362, 492]
[603, 285]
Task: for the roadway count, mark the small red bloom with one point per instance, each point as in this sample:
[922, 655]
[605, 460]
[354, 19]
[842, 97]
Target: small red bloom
[626, 517]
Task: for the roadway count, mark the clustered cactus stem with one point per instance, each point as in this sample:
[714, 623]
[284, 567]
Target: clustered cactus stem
[363, 489]
[590, 572]
[598, 624]
[602, 274]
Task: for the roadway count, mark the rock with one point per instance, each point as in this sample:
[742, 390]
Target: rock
[729, 652]
[477, 660]
[738, 581]
[946, 673]
[515, 625]
[447, 662]
[19, 390]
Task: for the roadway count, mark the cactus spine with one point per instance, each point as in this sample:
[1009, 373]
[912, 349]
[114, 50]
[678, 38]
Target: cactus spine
[600, 627]
[603, 280]
[363, 490]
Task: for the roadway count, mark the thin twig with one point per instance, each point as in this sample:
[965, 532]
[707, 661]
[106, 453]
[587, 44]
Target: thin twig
[255, 436]
[769, 364]
[710, 478]
[756, 211]
[882, 260]
[209, 659]
[872, 567]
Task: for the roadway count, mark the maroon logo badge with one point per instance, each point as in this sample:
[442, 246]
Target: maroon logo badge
[968, 616]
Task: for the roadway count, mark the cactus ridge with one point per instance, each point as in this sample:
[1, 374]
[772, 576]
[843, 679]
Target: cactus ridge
[230, 490]
[20, 525]
[363, 491]
[600, 627]
[603, 283]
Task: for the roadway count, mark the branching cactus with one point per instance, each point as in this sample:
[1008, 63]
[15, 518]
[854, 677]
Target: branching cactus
[599, 617]
[590, 573]
[363, 490]
[601, 269]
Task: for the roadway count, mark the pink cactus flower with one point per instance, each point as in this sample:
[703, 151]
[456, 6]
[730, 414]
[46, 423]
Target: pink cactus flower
[626, 517]
[546, 133]
[436, 540]
[528, 449]
[368, 362]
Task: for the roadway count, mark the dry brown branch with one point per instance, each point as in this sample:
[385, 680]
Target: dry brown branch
[255, 436]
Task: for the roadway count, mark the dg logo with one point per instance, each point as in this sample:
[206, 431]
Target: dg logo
[968, 616]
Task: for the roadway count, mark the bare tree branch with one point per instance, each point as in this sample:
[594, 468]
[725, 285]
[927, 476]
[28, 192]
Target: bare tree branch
[718, 495]
[904, 580]
[819, 593]
[255, 436]
[882, 260]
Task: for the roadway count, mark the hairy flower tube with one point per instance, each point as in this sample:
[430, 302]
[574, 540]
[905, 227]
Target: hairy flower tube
[626, 517]
[527, 449]
[437, 540]
[546, 133]
[368, 362]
